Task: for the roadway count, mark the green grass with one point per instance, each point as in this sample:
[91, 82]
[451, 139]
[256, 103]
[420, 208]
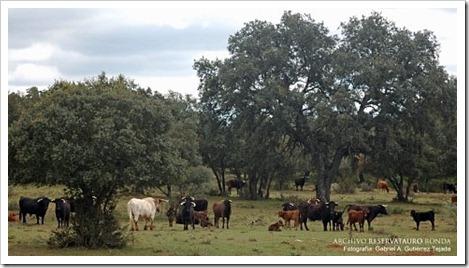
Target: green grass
[244, 238]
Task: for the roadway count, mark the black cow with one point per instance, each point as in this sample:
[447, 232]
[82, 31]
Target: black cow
[449, 187]
[322, 211]
[289, 206]
[37, 206]
[423, 216]
[200, 204]
[238, 184]
[300, 182]
[187, 214]
[337, 221]
[372, 211]
[62, 212]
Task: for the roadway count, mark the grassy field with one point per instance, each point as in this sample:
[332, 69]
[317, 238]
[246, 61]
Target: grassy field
[244, 238]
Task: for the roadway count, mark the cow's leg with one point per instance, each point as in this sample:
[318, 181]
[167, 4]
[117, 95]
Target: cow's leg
[369, 224]
[223, 222]
[37, 218]
[306, 226]
[227, 222]
[324, 224]
[301, 187]
[151, 224]
[433, 225]
[418, 223]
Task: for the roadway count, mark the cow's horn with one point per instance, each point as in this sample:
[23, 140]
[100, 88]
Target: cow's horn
[291, 204]
[164, 200]
[193, 204]
[230, 201]
[182, 203]
[385, 206]
[39, 200]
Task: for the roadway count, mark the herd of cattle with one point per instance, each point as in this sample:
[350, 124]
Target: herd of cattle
[190, 211]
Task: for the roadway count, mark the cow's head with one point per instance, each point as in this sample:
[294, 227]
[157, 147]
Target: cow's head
[382, 209]
[43, 201]
[158, 202]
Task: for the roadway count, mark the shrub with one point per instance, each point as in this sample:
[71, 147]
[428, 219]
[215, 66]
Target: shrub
[366, 187]
[347, 186]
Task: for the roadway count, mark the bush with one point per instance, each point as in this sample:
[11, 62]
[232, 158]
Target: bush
[366, 187]
[94, 227]
[347, 186]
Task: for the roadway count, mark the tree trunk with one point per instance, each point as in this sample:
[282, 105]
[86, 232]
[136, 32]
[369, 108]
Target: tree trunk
[218, 180]
[267, 190]
[223, 177]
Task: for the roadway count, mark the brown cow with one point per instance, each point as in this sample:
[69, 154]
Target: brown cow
[201, 216]
[383, 185]
[453, 199]
[222, 210]
[275, 227]
[12, 216]
[355, 216]
[290, 215]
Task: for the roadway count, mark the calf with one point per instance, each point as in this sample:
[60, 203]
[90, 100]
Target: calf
[355, 216]
[37, 206]
[291, 215]
[372, 211]
[289, 206]
[62, 212]
[200, 216]
[222, 210]
[145, 208]
[275, 227]
[337, 221]
[171, 214]
[383, 185]
[423, 216]
[12, 216]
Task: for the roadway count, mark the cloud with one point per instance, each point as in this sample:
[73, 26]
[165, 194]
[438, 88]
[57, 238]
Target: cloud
[36, 52]
[30, 73]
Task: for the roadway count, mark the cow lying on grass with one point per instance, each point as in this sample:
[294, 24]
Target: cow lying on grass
[423, 216]
[275, 227]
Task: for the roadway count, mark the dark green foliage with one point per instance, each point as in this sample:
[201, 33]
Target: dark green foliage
[378, 90]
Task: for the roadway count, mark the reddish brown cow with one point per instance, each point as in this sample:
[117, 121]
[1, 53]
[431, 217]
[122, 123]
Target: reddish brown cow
[355, 216]
[383, 185]
[12, 216]
[290, 215]
[201, 216]
[222, 210]
[454, 199]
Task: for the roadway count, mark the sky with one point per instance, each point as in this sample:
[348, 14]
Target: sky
[157, 47]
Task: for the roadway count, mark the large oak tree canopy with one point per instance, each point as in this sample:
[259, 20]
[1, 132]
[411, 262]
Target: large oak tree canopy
[372, 90]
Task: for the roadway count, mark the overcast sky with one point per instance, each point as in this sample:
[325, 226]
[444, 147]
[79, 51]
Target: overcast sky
[157, 47]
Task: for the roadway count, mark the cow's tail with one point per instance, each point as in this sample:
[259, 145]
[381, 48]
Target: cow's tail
[131, 216]
[345, 208]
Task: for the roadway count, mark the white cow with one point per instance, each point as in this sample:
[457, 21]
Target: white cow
[143, 208]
